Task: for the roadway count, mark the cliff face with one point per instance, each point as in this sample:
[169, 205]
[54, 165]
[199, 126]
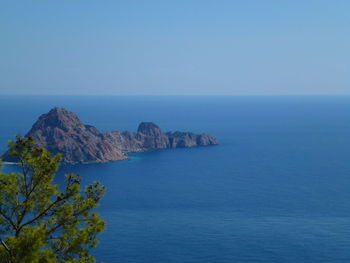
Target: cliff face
[61, 131]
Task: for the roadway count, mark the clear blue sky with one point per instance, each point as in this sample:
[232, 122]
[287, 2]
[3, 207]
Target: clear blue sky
[175, 47]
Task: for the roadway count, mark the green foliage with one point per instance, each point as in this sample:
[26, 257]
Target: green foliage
[39, 223]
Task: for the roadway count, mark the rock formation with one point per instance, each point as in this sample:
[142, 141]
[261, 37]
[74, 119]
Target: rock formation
[61, 131]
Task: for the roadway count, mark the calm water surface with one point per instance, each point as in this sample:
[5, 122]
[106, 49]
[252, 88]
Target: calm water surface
[277, 189]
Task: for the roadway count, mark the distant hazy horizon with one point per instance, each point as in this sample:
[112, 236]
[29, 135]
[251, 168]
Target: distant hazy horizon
[177, 95]
[175, 47]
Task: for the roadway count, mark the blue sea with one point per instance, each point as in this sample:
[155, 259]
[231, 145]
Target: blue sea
[277, 188]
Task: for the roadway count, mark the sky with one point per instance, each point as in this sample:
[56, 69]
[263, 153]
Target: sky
[175, 47]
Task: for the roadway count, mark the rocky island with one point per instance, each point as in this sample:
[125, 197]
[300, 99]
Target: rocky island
[61, 131]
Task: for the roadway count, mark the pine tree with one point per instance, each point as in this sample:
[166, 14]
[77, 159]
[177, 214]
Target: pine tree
[41, 222]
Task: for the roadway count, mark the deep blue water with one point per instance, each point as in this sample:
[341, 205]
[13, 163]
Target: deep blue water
[277, 188]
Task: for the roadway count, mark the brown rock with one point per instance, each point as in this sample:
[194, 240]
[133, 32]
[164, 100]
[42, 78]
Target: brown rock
[61, 131]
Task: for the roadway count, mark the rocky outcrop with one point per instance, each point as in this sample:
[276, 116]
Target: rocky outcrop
[61, 131]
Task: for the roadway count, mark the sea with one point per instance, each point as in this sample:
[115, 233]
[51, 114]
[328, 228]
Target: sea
[276, 189]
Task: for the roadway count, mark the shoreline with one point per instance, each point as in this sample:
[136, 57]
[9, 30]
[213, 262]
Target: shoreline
[9, 163]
